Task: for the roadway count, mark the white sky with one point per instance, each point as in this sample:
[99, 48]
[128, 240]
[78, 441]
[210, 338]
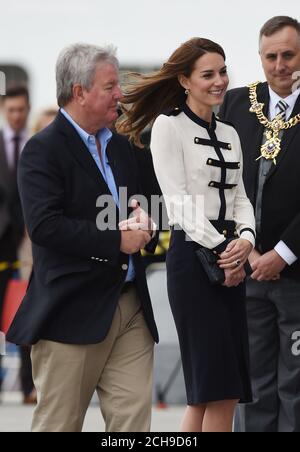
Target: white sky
[32, 32]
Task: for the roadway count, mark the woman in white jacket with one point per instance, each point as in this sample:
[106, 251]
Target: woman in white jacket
[198, 163]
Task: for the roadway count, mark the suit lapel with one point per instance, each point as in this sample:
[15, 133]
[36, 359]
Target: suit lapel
[263, 97]
[117, 157]
[79, 150]
[117, 165]
[286, 140]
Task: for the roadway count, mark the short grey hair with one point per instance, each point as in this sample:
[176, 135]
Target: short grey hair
[77, 64]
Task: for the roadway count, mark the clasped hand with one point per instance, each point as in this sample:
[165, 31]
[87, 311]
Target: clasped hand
[232, 261]
[137, 231]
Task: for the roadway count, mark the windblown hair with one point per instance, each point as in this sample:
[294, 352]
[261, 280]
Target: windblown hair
[149, 95]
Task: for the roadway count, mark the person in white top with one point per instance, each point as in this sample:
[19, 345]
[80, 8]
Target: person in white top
[198, 163]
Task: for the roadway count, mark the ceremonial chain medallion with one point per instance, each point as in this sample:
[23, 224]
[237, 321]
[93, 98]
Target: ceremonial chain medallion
[272, 147]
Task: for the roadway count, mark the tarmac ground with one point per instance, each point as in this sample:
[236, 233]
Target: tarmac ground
[15, 417]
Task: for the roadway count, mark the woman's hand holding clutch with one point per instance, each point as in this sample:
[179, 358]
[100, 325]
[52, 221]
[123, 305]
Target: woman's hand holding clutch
[235, 255]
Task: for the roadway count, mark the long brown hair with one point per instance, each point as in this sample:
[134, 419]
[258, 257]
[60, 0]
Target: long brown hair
[149, 95]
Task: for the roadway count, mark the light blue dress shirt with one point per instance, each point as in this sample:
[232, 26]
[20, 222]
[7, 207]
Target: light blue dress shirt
[104, 136]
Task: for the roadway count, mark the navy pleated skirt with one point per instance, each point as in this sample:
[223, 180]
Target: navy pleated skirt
[212, 328]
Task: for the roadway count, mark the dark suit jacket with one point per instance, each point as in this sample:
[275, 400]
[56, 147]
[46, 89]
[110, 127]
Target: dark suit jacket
[72, 296]
[10, 206]
[281, 196]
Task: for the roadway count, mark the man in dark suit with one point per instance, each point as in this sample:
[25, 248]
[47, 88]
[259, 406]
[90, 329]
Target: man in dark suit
[87, 309]
[13, 137]
[271, 172]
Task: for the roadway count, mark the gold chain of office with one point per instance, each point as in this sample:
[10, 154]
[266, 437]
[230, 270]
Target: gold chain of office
[272, 147]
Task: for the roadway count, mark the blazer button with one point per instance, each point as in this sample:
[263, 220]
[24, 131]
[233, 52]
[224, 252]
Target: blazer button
[211, 184]
[225, 232]
[229, 147]
[124, 267]
[197, 140]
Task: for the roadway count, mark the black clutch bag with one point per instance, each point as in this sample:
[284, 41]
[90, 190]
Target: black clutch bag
[214, 273]
[209, 260]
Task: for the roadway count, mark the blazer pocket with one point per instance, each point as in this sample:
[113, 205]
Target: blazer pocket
[67, 269]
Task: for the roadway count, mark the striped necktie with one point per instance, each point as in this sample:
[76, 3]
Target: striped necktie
[282, 107]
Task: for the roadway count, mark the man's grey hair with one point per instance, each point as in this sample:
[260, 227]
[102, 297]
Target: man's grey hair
[77, 64]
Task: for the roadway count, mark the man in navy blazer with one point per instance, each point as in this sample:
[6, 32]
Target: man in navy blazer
[87, 310]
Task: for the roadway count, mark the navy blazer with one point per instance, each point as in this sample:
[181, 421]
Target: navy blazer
[281, 197]
[78, 271]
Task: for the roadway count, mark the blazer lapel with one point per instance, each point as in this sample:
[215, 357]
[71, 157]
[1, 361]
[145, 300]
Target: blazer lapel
[263, 97]
[80, 151]
[122, 168]
[286, 140]
[117, 165]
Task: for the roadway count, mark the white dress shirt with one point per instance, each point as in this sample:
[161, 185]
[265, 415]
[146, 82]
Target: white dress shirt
[185, 177]
[281, 248]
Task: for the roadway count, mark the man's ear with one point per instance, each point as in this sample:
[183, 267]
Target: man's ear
[78, 94]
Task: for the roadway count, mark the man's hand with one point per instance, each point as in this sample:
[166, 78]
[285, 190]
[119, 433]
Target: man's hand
[253, 256]
[133, 241]
[268, 267]
[236, 254]
[234, 277]
[139, 221]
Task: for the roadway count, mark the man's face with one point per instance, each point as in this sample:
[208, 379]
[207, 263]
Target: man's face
[280, 56]
[16, 111]
[100, 103]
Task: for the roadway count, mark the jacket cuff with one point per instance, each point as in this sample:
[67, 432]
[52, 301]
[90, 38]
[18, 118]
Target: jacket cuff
[248, 234]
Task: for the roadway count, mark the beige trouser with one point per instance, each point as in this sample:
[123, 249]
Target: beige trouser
[119, 368]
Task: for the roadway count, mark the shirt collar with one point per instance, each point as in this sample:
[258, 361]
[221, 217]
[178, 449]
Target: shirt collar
[209, 126]
[290, 100]
[9, 133]
[103, 135]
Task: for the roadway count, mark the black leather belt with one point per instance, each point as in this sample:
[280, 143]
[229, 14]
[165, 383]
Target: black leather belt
[127, 287]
